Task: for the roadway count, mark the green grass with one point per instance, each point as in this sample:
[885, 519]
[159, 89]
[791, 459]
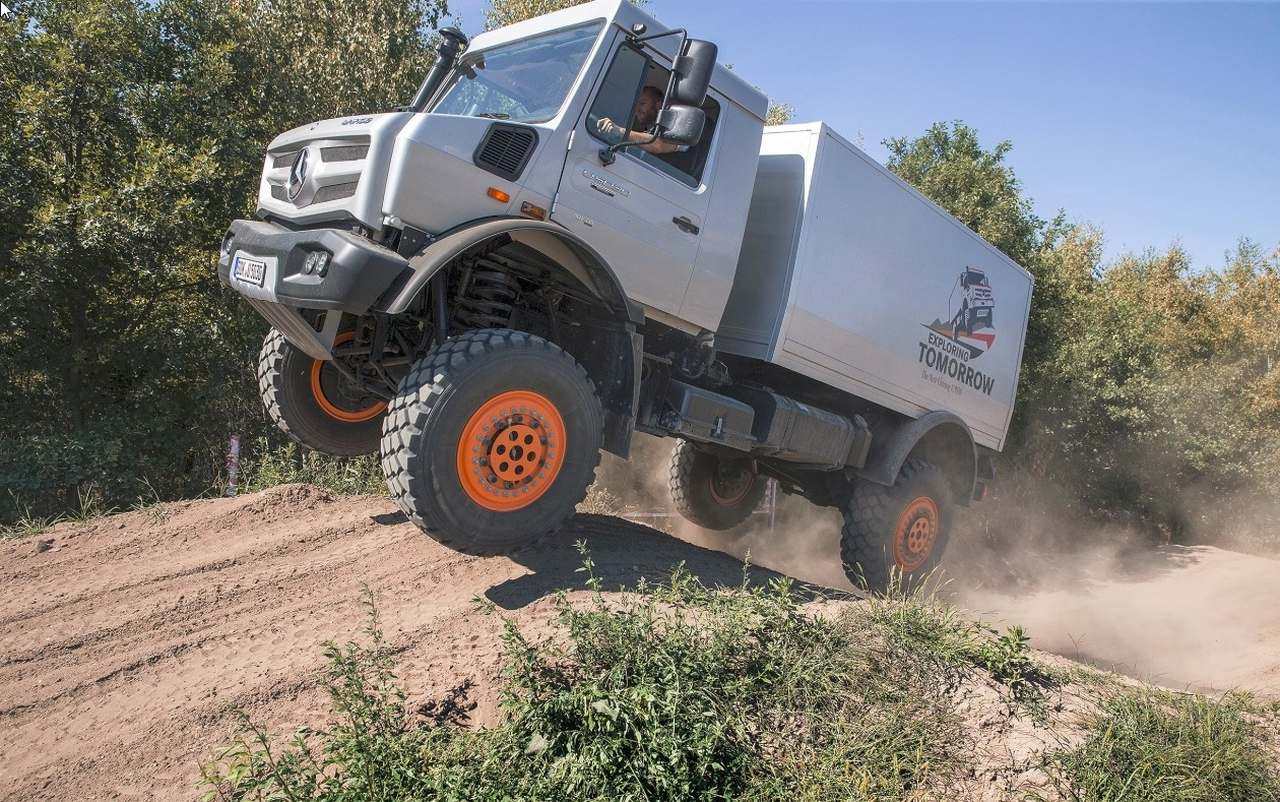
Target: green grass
[683, 692]
[264, 466]
[89, 506]
[1158, 746]
[25, 524]
[931, 632]
[677, 691]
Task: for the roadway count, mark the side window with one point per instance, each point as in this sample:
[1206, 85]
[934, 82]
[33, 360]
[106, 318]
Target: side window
[615, 103]
[627, 106]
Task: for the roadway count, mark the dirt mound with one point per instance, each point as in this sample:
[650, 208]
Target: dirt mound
[127, 644]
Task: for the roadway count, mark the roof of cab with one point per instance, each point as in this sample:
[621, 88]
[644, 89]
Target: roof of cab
[625, 14]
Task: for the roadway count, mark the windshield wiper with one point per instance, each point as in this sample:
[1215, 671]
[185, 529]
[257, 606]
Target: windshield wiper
[494, 115]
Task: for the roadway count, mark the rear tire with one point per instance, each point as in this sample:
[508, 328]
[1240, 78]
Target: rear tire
[711, 491]
[491, 440]
[902, 529]
[309, 400]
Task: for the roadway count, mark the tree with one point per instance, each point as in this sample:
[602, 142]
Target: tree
[509, 12]
[138, 133]
[779, 113]
[949, 165]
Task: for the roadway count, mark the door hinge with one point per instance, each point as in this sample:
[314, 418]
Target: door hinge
[554, 200]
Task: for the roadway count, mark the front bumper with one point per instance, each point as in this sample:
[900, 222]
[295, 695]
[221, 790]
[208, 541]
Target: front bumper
[357, 274]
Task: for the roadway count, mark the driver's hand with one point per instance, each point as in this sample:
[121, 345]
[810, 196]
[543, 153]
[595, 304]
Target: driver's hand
[608, 127]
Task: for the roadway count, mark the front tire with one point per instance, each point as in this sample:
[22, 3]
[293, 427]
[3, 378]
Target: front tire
[491, 440]
[901, 529]
[710, 491]
[313, 403]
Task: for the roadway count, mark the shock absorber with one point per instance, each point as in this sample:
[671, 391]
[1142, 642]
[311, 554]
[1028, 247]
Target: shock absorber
[486, 298]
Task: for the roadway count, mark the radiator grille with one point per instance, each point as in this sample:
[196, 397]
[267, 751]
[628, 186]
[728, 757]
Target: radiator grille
[335, 192]
[284, 159]
[344, 153]
[506, 149]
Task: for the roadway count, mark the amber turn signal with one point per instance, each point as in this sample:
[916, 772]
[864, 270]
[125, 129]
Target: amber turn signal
[499, 195]
[536, 212]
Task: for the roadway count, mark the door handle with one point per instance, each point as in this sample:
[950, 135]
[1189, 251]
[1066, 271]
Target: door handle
[686, 225]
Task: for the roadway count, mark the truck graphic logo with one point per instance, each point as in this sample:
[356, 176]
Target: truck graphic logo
[967, 333]
[972, 325]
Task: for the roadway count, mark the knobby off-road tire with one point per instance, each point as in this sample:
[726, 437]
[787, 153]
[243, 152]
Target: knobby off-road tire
[903, 528]
[711, 491]
[313, 403]
[491, 440]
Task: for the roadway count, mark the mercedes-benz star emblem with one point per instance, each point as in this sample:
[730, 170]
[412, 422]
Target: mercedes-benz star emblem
[298, 174]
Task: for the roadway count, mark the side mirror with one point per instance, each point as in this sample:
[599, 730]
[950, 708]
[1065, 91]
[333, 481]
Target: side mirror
[681, 125]
[693, 70]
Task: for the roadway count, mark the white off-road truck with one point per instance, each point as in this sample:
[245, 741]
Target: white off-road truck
[581, 228]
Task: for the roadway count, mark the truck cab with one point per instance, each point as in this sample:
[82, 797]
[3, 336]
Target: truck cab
[531, 261]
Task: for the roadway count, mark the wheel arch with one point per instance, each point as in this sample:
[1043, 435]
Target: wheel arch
[941, 438]
[615, 359]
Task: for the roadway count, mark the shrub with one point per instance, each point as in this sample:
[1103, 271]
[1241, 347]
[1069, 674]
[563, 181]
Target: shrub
[264, 466]
[1158, 746]
[675, 692]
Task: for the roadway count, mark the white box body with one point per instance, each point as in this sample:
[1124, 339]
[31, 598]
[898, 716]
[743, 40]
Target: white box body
[849, 276]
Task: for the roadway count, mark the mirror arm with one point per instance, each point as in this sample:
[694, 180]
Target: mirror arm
[642, 39]
[610, 154]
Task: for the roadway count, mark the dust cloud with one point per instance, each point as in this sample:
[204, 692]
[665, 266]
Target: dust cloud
[797, 539]
[1182, 616]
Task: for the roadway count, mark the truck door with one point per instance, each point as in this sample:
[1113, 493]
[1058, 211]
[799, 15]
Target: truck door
[644, 212]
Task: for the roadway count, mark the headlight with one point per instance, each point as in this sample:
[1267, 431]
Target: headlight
[317, 262]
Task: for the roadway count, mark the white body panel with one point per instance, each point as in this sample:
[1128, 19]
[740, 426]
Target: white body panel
[626, 210]
[849, 276]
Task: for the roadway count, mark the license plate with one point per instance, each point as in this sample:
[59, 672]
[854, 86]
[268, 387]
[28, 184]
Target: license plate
[250, 271]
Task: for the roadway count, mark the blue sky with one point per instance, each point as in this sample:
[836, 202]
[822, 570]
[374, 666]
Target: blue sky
[1159, 123]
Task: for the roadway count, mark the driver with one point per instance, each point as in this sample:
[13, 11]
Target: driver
[646, 115]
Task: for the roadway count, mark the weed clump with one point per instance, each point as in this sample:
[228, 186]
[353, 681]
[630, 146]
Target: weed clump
[676, 691]
[1161, 746]
[266, 467]
[679, 691]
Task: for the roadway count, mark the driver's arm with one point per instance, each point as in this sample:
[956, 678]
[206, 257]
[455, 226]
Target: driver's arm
[612, 130]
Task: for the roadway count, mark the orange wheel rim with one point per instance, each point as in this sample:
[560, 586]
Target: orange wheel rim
[326, 405]
[511, 450]
[729, 491]
[915, 533]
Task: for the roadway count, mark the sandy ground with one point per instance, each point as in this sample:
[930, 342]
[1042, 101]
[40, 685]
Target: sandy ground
[127, 644]
[1193, 617]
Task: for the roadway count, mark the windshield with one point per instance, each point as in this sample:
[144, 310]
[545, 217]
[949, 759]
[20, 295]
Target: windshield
[524, 81]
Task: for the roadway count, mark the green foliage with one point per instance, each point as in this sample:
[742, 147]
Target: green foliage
[677, 692]
[370, 752]
[136, 131]
[267, 466]
[932, 634]
[24, 524]
[1008, 657]
[509, 12]
[948, 164]
[1156, 746]
[779, 113]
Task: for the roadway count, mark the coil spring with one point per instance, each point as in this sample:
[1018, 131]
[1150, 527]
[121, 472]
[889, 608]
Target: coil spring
[486, 300]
